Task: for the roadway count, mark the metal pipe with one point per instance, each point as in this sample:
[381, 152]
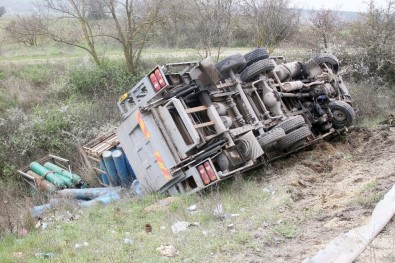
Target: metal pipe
[243, 97]
[238, 117]
[120, 166]
[49, 175]
[128, 166]
[294, 95]
[42, 183]
[76, 179]
[248, 164]
[110, 167]
[85, 194]
[104, 200]
[103, 176]
[37, 211]
[267, 112]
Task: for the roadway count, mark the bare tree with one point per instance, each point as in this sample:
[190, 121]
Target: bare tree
[25, 29]
[273, 21]
[2, 11]
[325, 23]
[68, 23]
[173, 28]
[374, 35]
[210, 27]
[96, 9]
[134, 22]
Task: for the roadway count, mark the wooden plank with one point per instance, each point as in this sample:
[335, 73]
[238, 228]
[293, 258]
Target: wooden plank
[94, 159]
[204, 124]
[196, 109]
[347, 247]
[100, 171]
[96, 148]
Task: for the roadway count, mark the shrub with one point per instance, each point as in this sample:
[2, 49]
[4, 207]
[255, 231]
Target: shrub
[14, 209]
[110, 80]
[372, 98]
[55, 128]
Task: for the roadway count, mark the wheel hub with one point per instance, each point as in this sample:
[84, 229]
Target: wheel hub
[339, 115]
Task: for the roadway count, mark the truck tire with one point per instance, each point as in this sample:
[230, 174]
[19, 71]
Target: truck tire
[294, 137]
[259, 67]
[271, 137]
[292, 123]
[255, 55]
[343, 114]
[235, 62]
[328, 59]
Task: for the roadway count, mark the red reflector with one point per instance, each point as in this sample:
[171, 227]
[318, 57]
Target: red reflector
[154, 82]
[203, 175]
[210, 171]
[160, 78]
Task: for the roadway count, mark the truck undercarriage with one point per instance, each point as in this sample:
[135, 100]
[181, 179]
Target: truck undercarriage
[189, 125]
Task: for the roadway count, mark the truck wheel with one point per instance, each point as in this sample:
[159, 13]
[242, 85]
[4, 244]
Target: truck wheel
[343, 114]
[259, 67]
[255, 55]
[294, 137]
[235, 62]
[271, 137]
[292, 123]
[329, 59]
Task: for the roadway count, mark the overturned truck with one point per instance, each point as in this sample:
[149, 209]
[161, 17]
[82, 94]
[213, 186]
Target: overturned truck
[189, 125]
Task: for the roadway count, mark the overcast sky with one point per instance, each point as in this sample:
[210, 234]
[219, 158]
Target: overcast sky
[17, 6]
[343, 5]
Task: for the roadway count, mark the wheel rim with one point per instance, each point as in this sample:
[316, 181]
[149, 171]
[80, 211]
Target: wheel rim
[339, 116]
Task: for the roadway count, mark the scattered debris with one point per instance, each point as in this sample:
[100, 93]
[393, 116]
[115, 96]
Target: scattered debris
[167, 251]
[44, 255]
[127, 241]
[77, 246]
[148, 228]
[80, 197]
[22, 232]
[218, 210]
[192, 208]
[181, 226]
[163, 228]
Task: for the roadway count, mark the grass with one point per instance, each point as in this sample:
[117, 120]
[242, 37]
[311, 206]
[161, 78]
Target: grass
[369, 195]
[286, 229]
[53, 51]
[105, 229]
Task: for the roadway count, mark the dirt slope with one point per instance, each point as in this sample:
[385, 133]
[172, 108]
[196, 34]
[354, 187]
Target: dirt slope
[335, 186]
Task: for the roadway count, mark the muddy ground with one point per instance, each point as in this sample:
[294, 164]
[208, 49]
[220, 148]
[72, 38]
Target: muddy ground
[337, 184]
